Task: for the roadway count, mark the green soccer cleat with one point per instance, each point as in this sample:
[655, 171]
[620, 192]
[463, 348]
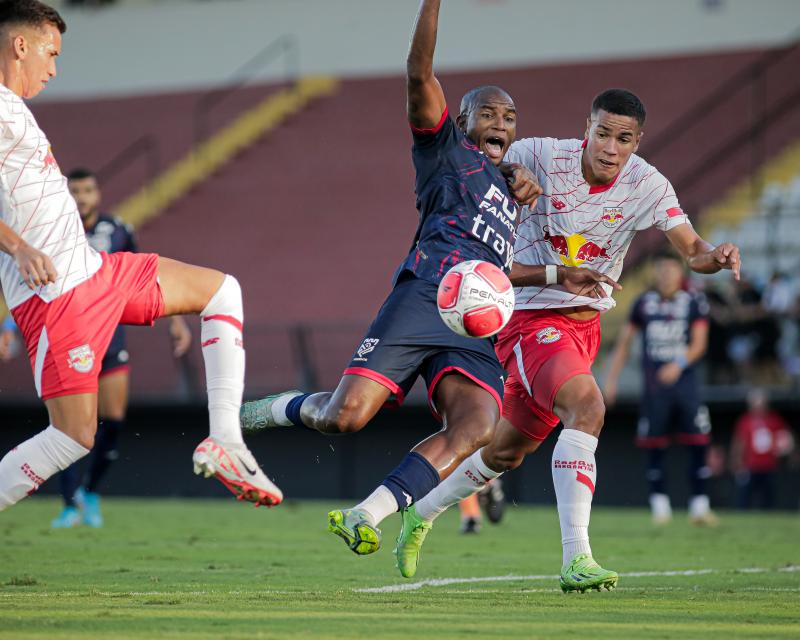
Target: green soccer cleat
[352, 526]
[257, 415]
[409, 542]
[584, 573]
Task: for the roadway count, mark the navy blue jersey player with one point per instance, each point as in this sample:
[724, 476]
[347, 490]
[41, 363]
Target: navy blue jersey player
[673, 325]
[110, 235]
[466, 212]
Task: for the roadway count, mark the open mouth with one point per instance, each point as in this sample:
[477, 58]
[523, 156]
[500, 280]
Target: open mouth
[493, 147]
[606, 164]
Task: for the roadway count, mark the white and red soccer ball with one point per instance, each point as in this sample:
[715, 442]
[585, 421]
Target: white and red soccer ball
[475, 299]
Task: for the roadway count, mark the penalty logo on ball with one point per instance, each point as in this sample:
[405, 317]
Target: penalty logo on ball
[475, 299]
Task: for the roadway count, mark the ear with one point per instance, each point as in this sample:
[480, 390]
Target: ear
[20, 45]
[638, 141]
[461, 121]
[588, 127]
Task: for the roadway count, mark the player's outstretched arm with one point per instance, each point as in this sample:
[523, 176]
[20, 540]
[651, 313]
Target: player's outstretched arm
[35, 267]
[702, 256]
[582, 282]
[425, 102]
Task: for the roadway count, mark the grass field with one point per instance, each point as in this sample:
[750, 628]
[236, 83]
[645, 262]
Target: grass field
[220, 570]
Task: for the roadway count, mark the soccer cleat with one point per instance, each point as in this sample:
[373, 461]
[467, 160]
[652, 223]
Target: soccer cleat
[235, 467]
[584, 573]
[90, 504]
[257, 415]
[409, 542]
[706, 519]
[352, 526]
[68, 518]
[493, 500]
[470, 525]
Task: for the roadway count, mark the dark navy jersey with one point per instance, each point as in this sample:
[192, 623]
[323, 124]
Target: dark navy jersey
[665, 325]
[465, 209]
[111, 235]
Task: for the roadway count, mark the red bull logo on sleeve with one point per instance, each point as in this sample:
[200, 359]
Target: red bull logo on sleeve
[548, 335]
[81, 359]
[612, 216]
[574, 250]
[50, 161]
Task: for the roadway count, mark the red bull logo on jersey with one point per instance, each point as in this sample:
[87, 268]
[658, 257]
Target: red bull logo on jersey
[548, 335]
[81, 359]
[612, 216]
[574, 250]
[50, 161]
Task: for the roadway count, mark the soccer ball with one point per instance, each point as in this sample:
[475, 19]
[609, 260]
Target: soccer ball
[475, 299]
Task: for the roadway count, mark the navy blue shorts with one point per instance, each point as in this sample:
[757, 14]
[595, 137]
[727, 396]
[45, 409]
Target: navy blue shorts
[408, 339]
[117, 357]
[673, 413]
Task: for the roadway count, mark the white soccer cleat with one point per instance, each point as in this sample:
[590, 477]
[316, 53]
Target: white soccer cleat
[235, 467]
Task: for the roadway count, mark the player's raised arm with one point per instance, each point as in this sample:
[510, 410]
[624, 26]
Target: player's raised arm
[426, 103]
[702, 256]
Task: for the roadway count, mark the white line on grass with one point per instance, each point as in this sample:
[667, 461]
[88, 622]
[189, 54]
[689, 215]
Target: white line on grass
[443, 582]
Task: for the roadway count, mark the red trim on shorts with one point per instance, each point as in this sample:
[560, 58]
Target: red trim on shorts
[653, 442]
[118, 369]
[466, 374]
[223, 318]
[695, 439]
[434, 130]
[380, 379]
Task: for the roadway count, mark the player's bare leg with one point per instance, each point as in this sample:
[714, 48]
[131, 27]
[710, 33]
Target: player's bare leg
[217, 298]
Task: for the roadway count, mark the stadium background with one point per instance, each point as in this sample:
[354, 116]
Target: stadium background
[267, 139]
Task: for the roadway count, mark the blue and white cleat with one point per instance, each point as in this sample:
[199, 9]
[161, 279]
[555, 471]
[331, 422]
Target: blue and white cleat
[70, 517]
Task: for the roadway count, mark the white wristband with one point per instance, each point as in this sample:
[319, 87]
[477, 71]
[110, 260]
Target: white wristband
[551, 274]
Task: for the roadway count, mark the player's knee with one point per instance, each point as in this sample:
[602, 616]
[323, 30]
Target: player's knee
[348, 417]
[589, 414]
[503, 458]
[466, 436]
[84, 435]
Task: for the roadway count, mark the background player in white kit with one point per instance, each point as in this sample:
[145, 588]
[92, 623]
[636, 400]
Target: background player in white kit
[68, 299]
[596, 195]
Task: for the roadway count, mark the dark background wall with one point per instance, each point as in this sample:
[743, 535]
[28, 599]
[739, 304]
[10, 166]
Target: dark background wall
[157, 444]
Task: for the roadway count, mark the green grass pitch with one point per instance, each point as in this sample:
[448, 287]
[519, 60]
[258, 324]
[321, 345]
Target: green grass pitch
[220, 570]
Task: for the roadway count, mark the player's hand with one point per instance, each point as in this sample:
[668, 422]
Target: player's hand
[726, 256]
[35, 267]
[181, 336]
[586, 282]
[522, 183]
[7, 340]
[669, 373]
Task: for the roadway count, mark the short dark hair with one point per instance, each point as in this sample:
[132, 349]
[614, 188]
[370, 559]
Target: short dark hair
[471, 97]
[620, 102]
[29, 12]
[80, 174]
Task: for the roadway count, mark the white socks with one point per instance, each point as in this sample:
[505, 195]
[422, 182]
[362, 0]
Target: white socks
[279, 407]
[660, 508]
[223, 353]
[574, 476]
[25, 468]
[468, 478]
[699, 506]
[380, 504]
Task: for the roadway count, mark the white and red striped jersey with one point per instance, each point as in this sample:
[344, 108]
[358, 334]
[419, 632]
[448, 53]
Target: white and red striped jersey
[35, 202]
[577, 225]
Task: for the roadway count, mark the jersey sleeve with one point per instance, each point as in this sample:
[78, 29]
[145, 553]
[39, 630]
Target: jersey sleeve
[698, 310]
[440, 135]
[659, 206]
[636, 318]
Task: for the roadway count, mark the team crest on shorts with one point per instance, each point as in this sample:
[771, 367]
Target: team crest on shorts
[81, 359]
[612, 216]
[549, 335]
[368, 346]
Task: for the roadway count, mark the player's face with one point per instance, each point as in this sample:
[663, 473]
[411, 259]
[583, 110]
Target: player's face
[492, 126]
[37, 50]
[87, 196]
[610, 141]
[669, 276]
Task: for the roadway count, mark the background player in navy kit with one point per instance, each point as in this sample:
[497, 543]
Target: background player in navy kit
[108, 234]
[466, 212]
[673, 324]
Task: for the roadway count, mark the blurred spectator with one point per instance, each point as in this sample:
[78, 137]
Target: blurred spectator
[8, 339]
[760, 438]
